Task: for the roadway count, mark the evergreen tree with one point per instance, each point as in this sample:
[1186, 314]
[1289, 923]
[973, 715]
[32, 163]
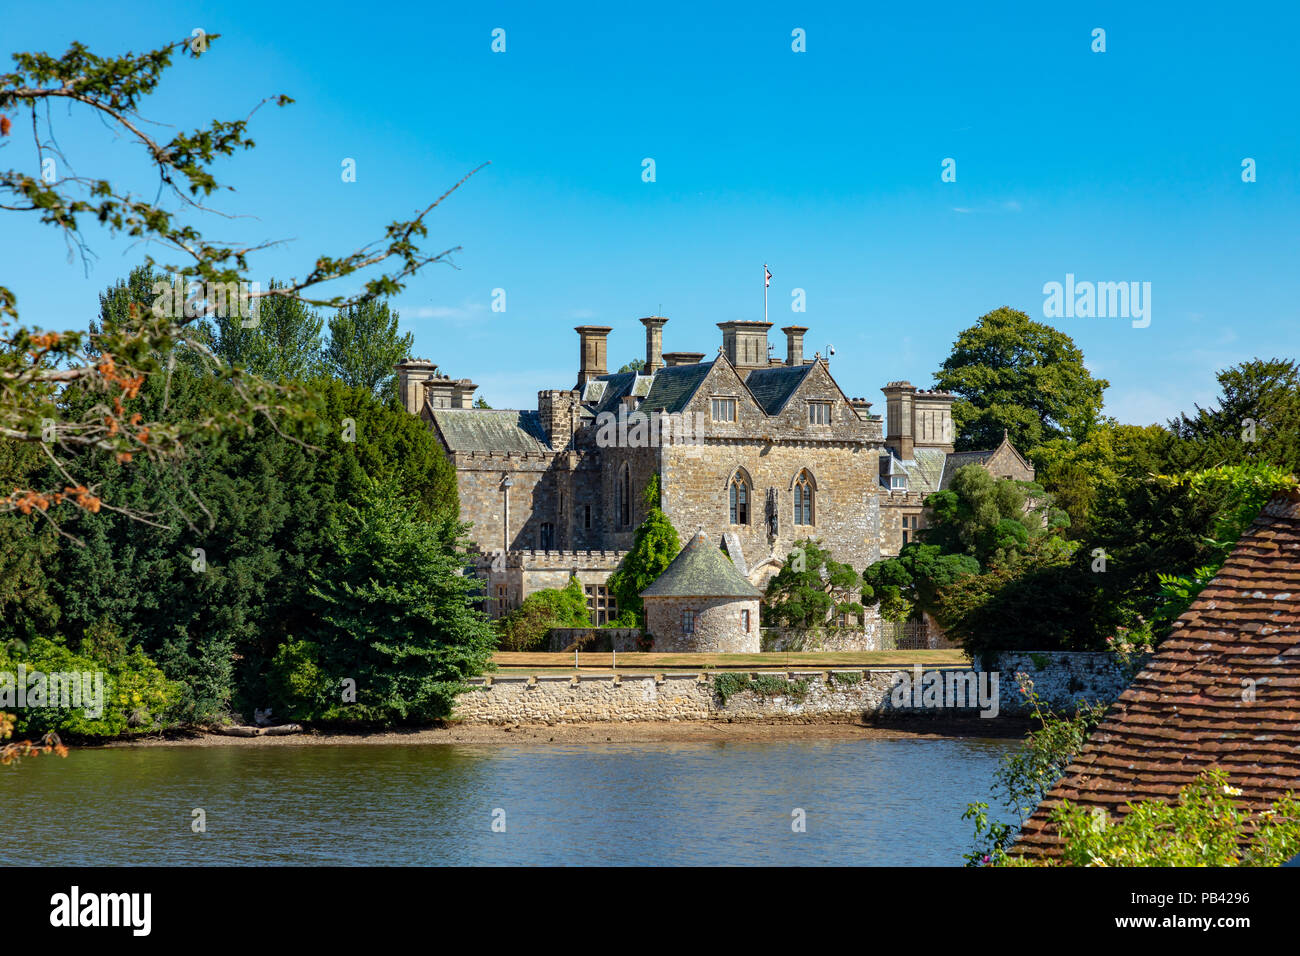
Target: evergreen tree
[283, 340]
[364, 346]
[811, 589]
[394, 613]
[654, 545]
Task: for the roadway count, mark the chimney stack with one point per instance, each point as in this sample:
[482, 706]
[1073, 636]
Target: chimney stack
[463, 394]
[591, 352]
[412, 373]
[654, 343]
[900, 422]
[794, 344]
[683, 358]
[745, 343]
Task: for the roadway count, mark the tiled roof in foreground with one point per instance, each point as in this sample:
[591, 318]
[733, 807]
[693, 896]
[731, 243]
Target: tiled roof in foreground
[1190, 708]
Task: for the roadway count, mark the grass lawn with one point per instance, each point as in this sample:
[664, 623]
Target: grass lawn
[516, 662]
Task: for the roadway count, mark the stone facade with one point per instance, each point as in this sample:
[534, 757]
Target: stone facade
[719, 625]
[806, 460]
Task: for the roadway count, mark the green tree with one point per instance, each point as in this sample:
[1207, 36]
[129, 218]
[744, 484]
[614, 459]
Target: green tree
[394, 612]
[654, 545]
[1079, 474]
[213, 599]
[636, 365]
[811, 589]
[1256, 419]
[364, 346]
[284, 342]
[1011, 373]
[115, 361]
[988, 518]
[910, 583]
[525, 627]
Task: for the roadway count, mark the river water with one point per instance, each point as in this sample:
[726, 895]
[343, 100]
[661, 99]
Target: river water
[864, 802]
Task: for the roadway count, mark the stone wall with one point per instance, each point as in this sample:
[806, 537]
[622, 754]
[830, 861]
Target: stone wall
[841, 695]
[865, 638]
[718, 625]
[1063, 678]
[596, 639]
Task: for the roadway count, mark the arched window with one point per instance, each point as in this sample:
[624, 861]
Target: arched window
[624, 492]
[803, 499]
[739, 493]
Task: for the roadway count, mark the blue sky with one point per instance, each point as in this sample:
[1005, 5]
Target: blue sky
[1115, 166]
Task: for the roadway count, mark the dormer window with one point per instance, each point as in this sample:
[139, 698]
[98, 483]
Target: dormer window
[898, 482]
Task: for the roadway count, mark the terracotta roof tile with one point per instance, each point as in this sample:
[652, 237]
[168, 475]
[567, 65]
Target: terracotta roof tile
[1187, 710]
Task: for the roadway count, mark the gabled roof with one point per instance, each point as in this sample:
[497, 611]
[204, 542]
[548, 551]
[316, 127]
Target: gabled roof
[773, 386]
[674, 386]
[617, 386]
[1189, 710]
[960, 459]
[489, 430]
[925, 470]
[701, 570]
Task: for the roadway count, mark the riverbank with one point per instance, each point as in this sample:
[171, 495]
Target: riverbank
[605, 732]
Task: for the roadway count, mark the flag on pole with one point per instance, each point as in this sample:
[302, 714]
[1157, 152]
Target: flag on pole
[767, 276]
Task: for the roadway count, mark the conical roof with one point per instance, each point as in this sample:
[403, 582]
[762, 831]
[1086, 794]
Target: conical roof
[701, 570]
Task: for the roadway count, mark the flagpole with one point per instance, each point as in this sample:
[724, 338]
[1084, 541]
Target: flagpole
[765, 283]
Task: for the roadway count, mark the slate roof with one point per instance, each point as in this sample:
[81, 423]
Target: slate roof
[617, 386]
[673, 387]
[701, 570]
[490, 430]
[1185, 711]
[925, 471]
[773, 386]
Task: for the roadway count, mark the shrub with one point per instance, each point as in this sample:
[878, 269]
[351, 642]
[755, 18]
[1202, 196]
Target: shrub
[525, 628]
[136, 694]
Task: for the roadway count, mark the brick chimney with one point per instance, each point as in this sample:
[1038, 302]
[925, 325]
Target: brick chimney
[654, 343]
[794, 344]
[591, 352]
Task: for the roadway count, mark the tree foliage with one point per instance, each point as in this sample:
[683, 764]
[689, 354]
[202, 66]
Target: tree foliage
[394, 612]
[654, 546]
[113, 363]
[525, 627]
[1205, 826]
[364, 346]
[811, 589]
[1011, 373]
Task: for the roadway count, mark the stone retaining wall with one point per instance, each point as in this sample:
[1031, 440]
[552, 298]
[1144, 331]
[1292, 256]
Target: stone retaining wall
[1064, 678]
[848, 694]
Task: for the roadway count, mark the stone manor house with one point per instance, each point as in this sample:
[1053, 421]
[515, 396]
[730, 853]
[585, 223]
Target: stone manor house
[754, 453]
